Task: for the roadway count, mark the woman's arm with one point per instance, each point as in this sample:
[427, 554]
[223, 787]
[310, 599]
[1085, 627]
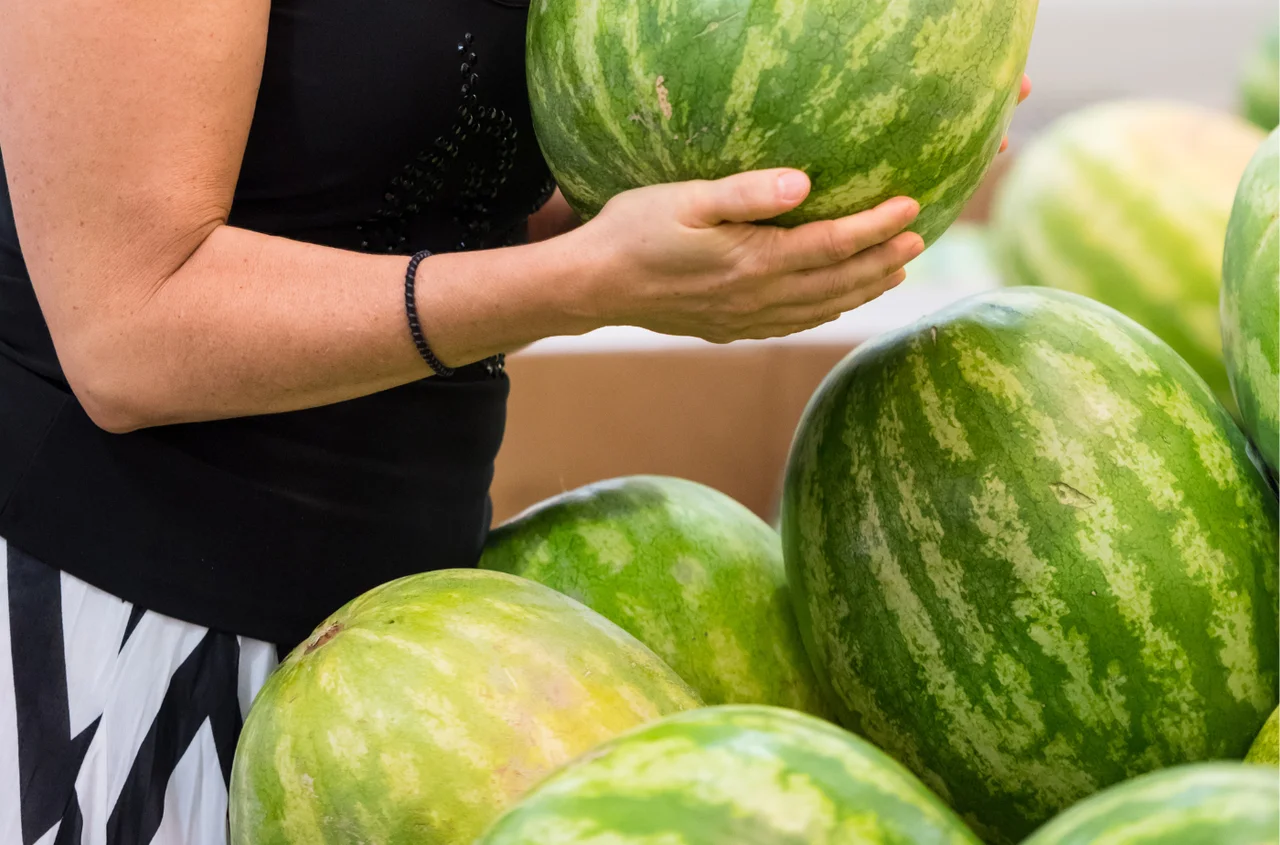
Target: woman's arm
[123, 124]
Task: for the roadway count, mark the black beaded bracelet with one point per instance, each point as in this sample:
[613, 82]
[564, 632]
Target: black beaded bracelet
[415, 327]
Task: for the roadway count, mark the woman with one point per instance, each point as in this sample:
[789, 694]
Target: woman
[228, 400]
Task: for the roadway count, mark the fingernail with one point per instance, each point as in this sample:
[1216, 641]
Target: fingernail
[909, 206]
[792, 186]
[917, 247]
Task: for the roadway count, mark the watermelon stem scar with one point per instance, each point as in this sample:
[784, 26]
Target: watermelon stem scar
[664, 99]
[327, 634]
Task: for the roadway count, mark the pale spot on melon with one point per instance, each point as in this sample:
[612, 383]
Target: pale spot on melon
[613, 550]
[347, 745]
[402, 776]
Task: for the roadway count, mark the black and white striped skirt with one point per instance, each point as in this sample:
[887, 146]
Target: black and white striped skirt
[117, 724]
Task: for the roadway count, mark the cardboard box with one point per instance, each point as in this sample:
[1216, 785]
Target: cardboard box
[722, 417]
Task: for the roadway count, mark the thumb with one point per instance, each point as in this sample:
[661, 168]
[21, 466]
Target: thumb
[745, 197]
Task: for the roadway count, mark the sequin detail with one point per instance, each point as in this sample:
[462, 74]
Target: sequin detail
[420, 183]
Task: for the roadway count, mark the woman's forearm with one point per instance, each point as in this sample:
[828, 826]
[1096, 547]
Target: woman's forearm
[253, 324]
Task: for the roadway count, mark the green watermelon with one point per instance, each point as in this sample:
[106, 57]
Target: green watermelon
[1266, 748]
[1032, 555]
[421, 709]
[1203, 804]
[873, 99]
[1251, 300]
[1127, 203]
[736, 775]
[685, 569]
[1260, 87]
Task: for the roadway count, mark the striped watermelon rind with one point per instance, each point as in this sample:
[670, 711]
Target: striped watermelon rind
[1227, 803]
[1032, 556]
[731, 775]
[1127, 203]
[687, 570]
[1251, 300]
[872, 100]
[420, 710]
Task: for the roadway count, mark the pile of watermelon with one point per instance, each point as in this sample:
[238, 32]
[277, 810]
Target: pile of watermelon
[1023, 584]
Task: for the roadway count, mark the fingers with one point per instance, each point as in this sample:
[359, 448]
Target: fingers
[810, 317]
[856, 298]
[869, 266]
[829, 242]
[861, 296]
[744, 198]
[1023, 93]
[819, 297]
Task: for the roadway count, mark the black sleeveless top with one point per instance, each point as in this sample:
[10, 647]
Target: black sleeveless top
[390, 126]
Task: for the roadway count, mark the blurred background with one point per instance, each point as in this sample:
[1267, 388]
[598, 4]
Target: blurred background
[624, 401]
[1090, 50]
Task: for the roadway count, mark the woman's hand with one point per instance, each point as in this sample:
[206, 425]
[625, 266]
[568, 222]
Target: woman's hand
[691, 258]
[1023, 93]
[687, 258]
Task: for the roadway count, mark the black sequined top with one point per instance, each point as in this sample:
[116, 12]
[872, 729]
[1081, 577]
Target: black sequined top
[383, 127]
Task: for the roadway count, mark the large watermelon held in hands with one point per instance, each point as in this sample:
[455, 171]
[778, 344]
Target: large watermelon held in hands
[1127, 203]
[731, 776]
[1266, 748]
[1032, 555]
[1251, 300]
[421, 709]
[687, 570]
[872, 99]
[1203, 804]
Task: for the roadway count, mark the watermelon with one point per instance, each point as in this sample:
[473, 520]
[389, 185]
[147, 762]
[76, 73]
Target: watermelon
[1251, 300]
[732, 775]
[1203, 804]
[1260, 87]
[873, 99]
[421, 709]
[1127, 203]
[1266, 748]
[685, 569]
[1032, 555]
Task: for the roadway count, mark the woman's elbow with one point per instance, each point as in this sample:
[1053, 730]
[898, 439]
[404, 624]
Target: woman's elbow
[109, 390]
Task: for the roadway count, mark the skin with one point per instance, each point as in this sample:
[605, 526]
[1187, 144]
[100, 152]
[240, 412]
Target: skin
[122, 165]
